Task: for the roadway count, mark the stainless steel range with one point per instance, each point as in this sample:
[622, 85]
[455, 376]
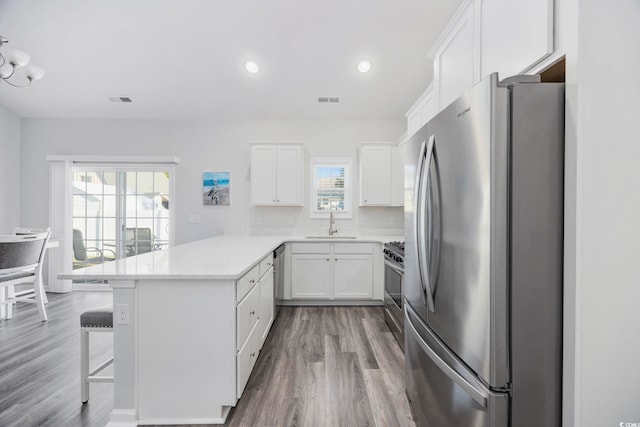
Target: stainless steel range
[394, 289]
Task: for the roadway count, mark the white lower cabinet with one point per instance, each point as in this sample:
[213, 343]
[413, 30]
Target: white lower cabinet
[266, 305]
[254, 317]
[247, 315]
[310, 276]
[353, 276]
[246, 359]
[332, 271]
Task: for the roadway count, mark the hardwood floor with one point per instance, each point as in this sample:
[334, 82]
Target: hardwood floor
[326, 366]
[320, 366]
[40, 365]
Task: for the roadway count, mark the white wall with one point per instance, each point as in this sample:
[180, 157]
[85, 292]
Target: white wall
[603, 278]
[9, 171]
[206, 146]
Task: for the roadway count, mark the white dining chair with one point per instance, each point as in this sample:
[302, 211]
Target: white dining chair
[21, 259]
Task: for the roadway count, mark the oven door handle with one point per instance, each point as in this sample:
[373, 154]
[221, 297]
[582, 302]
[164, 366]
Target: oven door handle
[393, 267]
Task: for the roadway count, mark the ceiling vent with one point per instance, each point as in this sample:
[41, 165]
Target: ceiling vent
[329, 99]
[120, 99]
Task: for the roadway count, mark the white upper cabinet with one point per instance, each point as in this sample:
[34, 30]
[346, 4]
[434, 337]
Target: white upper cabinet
[381, 175]
[509, 37]
[455, 58]
[397, 176]
[276, 175]
[375, 175]
[515, 35]
[422, 111]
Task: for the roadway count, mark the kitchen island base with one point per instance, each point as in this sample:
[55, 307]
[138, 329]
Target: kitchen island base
[182, 369]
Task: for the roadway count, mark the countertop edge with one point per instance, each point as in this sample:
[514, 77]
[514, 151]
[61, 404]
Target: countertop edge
[278, 240]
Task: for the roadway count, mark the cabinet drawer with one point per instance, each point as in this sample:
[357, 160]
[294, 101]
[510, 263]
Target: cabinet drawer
[266, 264]
[310, 248]
[353, 248]
[247, 282]
[246, 359]
[247, 315]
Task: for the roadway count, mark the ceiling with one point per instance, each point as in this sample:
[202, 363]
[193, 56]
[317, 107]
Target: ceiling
[185, 58]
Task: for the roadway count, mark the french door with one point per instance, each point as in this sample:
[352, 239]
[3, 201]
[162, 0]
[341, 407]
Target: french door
[119, 211]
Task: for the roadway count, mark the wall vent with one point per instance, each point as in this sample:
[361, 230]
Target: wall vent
[120, 99]
[329, 99]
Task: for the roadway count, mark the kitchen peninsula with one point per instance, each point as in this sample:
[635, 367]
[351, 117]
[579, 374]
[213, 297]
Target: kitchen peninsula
[189, 321]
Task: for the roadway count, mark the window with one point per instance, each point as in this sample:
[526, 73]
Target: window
[119, 211]
[330, 187]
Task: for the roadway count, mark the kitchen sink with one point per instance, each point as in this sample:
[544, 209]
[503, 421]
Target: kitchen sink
[331, 237]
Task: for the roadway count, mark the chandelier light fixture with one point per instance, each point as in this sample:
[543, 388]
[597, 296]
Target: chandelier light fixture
[11, 60]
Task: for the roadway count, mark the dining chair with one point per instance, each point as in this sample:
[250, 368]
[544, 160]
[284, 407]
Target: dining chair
[31, 290]
[138, 241]
[21, 259]
[81, 256]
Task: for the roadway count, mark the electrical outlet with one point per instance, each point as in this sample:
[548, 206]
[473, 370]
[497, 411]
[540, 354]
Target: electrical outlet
[258, 220]
[290, 220]
[122, 314]
[392, 220]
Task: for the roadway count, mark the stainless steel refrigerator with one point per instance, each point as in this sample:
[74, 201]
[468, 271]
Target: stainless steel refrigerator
[483, 258]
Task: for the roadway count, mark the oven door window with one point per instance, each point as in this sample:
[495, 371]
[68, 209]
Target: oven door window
[393, 283]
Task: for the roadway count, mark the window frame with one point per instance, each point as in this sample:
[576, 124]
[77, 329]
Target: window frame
[345, 162]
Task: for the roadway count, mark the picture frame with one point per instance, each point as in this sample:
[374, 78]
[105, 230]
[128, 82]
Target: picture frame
[216, 188]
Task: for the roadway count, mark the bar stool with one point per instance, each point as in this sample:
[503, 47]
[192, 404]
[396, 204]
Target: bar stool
[98, 320]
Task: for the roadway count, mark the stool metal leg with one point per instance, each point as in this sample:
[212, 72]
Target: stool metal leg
[84, 365]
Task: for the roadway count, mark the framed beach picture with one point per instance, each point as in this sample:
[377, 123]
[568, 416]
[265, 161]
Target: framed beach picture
[216, 188]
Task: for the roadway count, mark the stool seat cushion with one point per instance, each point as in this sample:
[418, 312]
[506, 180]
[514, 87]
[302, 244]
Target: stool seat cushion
[99, 318]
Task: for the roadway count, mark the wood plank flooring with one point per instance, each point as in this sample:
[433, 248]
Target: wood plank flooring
[326, 366]
[320, 366]
[40, 365]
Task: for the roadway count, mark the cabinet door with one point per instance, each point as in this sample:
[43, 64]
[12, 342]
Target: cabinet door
[455, 65]
[289, 175]
[247, 313]
[353, 276]
[310, 276]
[397, 176]
[266, 305]
[515, 35]
[246, 359]
[375, 176]
[263, 175]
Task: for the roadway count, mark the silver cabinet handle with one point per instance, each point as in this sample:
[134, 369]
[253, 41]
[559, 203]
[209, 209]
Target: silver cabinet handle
[473, 392]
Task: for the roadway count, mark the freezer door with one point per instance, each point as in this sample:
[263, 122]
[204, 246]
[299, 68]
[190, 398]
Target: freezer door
[462, 231]
[443, 392]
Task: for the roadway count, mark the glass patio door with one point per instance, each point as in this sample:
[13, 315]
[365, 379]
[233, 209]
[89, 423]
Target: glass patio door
[119, 211]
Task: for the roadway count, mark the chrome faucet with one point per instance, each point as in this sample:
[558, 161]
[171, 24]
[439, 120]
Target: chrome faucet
[332, 224]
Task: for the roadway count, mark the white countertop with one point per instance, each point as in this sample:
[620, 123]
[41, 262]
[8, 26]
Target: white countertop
[221, 257]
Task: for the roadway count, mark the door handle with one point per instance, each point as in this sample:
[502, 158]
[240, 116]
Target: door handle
[417, 227]
[478, 395]
[422, 255]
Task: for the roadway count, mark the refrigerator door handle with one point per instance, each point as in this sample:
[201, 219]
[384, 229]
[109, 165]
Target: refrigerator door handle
[417, 226]
[477, 395]
[422, 255]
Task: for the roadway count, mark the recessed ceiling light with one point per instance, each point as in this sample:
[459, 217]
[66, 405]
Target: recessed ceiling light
[364, 66]
[252, 67]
